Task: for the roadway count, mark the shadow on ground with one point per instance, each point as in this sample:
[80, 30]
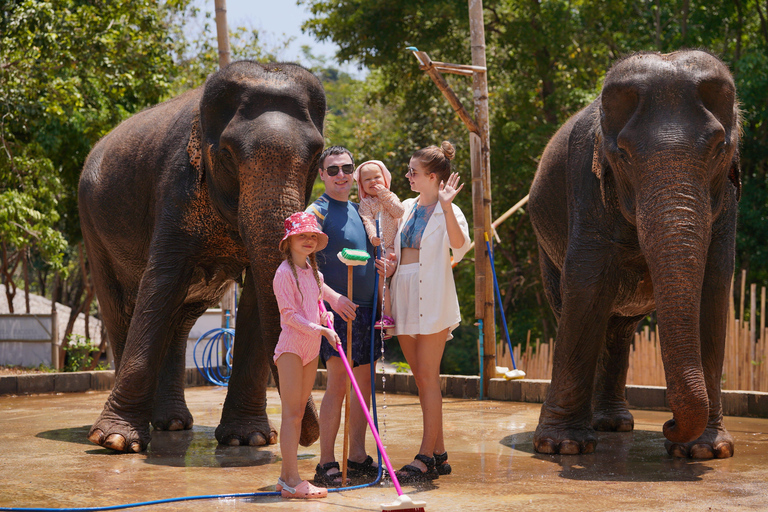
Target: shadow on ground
[637, 456]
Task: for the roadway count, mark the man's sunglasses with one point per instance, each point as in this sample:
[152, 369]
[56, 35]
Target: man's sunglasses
[333, 170]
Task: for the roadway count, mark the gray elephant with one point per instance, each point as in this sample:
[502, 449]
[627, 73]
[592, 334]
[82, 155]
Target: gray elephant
[176, 203]
[634, 209]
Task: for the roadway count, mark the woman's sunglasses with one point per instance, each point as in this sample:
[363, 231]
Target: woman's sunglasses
[333, 170]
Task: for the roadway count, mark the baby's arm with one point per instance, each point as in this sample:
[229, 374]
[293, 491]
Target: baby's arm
[391, 203]
[366, 214]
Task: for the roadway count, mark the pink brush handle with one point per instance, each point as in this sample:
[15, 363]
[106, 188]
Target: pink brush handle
[370, 420]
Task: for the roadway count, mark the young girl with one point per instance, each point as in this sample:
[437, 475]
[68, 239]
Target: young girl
[424, 300]
[373, 180]
[300, 292]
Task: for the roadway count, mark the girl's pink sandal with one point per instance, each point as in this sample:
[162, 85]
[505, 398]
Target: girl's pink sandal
[304, 490]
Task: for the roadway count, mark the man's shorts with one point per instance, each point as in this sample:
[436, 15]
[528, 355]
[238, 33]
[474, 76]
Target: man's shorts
[361, 338]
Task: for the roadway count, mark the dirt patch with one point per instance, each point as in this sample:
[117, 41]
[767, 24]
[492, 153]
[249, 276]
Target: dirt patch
[19, 370]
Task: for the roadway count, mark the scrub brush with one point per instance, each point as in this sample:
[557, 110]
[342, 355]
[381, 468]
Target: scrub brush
[353, 257]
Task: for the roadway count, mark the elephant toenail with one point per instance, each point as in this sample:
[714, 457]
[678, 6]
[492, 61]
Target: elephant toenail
[115, 442]
[569, 448]
[96, 436]
[256, 440]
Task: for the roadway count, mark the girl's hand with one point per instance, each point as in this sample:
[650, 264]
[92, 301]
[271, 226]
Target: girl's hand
[330, 335]
[448, 191]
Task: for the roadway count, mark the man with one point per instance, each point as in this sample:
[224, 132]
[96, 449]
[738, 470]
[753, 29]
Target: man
[339, 219]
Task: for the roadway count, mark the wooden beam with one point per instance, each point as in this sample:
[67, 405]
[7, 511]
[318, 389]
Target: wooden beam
[427, 65]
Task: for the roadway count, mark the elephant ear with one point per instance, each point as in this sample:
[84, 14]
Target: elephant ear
[195, 146]
[598, 169]
[734, 174]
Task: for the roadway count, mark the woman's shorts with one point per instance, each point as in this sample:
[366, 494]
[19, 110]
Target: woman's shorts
[405, 300]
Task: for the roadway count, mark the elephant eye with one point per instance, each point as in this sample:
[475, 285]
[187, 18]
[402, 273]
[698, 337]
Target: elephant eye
[226, 154]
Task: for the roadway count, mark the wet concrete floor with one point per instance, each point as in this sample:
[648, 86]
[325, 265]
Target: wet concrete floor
[46, 462]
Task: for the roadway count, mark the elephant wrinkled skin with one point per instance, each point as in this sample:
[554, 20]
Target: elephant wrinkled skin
[634, 208]
[176, 203]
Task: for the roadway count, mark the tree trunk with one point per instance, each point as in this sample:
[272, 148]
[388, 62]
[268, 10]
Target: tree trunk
[25, 267]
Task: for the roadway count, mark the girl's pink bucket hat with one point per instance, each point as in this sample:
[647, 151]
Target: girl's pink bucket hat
[303, 222]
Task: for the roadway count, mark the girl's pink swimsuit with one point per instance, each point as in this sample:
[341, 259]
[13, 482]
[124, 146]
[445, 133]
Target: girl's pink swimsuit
[299, 316]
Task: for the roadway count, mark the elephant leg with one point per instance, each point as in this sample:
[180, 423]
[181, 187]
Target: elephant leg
[550, 275]
[124, 423]
[565, 422]
[170, 407]
[244, 415]
[115, 302]
[610, 407]
[716, 441]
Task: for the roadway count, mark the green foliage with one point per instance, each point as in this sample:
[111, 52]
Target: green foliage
[401, 367]
[79, 353]
[69, 71]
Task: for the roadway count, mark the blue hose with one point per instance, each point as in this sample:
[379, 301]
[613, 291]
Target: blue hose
[208, 373]
[209, 368]
[498, 299]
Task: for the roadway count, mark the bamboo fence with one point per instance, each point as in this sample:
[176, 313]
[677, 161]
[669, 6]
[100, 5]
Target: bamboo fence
[746, 350]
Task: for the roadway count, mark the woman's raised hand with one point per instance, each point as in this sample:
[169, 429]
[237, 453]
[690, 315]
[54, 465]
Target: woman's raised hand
[448, 191]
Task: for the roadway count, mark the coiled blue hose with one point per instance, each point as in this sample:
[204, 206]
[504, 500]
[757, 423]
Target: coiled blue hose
[210, 363]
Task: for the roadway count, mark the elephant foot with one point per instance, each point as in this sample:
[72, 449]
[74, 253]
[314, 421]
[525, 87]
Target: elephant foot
[554, 439]
[714, 443]
[613, 420]
[255, 432]
[172, 416]
[119, 434]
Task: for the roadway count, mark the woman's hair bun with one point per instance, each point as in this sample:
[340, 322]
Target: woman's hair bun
[448, 150]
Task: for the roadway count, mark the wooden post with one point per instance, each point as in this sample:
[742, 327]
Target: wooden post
[56, 362]
[752, 333]
[480, 95]
[222, 32]
[349, 384]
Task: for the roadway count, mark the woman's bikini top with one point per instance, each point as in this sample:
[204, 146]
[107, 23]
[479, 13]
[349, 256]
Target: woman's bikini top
[413, 230]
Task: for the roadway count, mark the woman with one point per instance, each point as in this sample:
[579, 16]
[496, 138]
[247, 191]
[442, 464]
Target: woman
[424, 302]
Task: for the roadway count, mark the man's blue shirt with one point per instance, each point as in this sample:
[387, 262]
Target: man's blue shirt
[341, 222]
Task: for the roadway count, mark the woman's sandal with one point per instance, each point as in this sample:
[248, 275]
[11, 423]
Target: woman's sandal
[304, 490]
[364, 469]
[410, 473]
[442, 467]
[328, 480]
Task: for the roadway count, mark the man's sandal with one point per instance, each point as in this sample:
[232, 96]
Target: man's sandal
[442, 467]
[322, 477]
[410, 473]
[304, 490]
[364, 469]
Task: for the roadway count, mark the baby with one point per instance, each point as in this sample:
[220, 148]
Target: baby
[373, 181]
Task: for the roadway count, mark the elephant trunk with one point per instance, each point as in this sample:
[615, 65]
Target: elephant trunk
[674, 225]
[267, 198]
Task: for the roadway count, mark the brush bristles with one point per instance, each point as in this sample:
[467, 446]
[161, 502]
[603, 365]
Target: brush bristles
[404, 503]
[353, 257]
